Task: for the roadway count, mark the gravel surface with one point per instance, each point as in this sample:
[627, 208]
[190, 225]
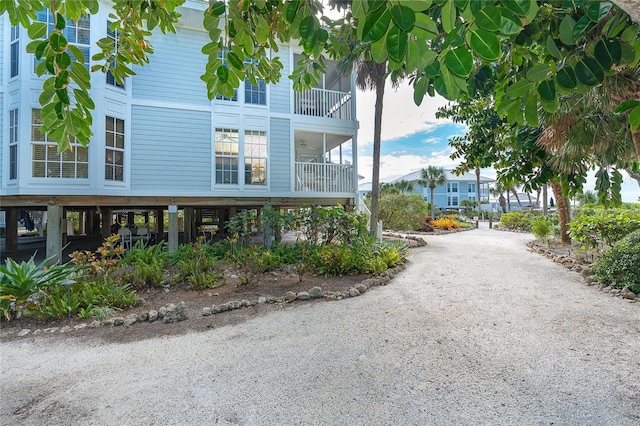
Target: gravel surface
[476, 330]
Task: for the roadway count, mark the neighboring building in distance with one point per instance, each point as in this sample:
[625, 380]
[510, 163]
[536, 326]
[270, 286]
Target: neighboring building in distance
[159, 144]
[453, 192]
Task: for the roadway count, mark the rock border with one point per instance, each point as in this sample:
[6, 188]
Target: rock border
[583, 269]
[171, 312]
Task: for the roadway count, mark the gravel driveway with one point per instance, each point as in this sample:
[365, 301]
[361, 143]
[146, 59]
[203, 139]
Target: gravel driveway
[476, 330]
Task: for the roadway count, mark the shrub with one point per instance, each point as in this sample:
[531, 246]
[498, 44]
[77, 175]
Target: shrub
[520, 221]
[541, 227]
[251, 262]
[446, 222]
[197, 266]
[604, 227]
[404, 212]
[619, 266]
[18, 282]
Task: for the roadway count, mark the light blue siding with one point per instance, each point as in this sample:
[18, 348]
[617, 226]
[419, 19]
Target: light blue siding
[5, 140]
[171, 149]
[8, 52]
[174, 71]
[281, 92]
[280, 154]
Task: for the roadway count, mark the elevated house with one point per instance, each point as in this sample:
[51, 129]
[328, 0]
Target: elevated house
[160, 146]
[451, 194]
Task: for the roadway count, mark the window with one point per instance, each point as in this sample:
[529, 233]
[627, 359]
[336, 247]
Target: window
[226, 148]
[14, 62]
[256, 95]
[48, 163]
[76, 32]
[471, 188]
[452, 201]
[452, 186]
[114, 149]
[115, 36]
[13, 144]
[235, 91]
[255, 157]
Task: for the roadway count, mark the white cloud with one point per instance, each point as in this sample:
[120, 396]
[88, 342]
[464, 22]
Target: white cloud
[431, 140]
[394, 166]
[401, 116]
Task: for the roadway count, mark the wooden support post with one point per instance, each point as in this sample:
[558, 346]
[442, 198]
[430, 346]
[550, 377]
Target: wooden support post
[189, 225]
[11, 231]
[173, 227]
[107, 219]
[54, 233]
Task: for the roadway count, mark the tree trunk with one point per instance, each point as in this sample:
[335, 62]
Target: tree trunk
[563, 212]
[503, 203]
[433, 205]
[377, 134]
[478, 190]
[634, 175]
[631, 7]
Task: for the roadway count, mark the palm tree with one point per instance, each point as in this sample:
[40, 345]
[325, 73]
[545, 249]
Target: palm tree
[498, 190]
[432, 176]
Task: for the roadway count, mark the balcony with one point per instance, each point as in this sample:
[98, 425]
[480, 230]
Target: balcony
[324, 177]
[323, 103]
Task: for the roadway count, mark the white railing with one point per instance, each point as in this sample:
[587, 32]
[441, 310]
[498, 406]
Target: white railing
[324, 177]
[323, 103]
[361, 207]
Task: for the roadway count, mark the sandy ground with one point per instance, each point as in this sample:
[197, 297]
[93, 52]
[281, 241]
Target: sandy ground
[476, 330]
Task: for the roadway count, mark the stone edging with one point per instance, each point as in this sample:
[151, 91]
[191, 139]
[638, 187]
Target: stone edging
[171, 313]
[585, 271]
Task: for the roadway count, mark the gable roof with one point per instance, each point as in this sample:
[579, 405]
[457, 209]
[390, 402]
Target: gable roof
[465, 177]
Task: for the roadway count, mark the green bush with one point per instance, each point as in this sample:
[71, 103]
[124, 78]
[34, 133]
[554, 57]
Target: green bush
[604, 227]
[544, 226]
[518, 220]
[619, 266]
[403, 212]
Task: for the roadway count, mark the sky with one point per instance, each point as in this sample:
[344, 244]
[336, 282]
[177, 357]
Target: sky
[413, 138]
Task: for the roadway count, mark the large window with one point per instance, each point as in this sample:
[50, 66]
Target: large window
[226, 147]
[76, 32]
[47, 162]
[452, 187]
[452, 201]
[256, 95]
[13, 144]
[471, 188]
[115, 36]
[14, 63]
[114, 149]
[255, 157]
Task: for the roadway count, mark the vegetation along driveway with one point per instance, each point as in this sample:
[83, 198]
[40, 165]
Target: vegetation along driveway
[475, 330]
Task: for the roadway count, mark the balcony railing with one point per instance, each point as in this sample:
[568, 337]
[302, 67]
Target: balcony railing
[323, 103]
[324, 177]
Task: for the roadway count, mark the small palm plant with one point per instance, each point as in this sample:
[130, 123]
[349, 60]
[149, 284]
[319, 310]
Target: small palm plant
[20, 281]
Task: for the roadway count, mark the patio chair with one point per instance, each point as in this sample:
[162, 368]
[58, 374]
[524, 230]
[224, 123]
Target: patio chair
[125, 237]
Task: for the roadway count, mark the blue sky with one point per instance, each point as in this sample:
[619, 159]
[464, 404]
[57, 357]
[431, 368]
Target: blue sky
[412, 138]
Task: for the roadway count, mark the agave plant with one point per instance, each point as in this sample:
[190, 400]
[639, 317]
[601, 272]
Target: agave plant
[19, 281]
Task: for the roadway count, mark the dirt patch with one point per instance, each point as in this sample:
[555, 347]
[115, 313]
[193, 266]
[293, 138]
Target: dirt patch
[275, 284]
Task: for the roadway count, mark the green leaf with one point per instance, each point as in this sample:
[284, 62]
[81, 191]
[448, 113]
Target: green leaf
[552, 48]
[582, 26]
[63, 60]
[218, 8]
[506, 104]
[37, 30]
[485, 44]
[63, 96]
[234, 60]
[396, 44]
[448, 16]
[566, 30]
[60, 22]
[519, 88]
[307, 27]
[608, 52]
[413, 60]
[547, 90]
[376, 25]
[634, 119]
[403, 16]
[459, 61]
[375, 4]
[433, 69]
[519, 7]
[57, 42]
[76, 52]
[589, 72]
[549, 106]
[531, 109]
[420, 89]
[538, 72]
[379, 50]
[417, 5]
[446, 85]
[598, 10]
[83, 98]
[80, 76]
[223, 74]
[489, 18]
[627, 105]
[566, 78]
[510, 23]
[630, 33]
[424, 27]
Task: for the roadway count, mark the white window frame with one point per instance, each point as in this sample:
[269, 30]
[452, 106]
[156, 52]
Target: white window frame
[14, 48]
[71, 28]
[78, 156]
[255, 148]
[226, 151]
[471, 187]
[260, 91]
[453, 201]
[452, 187]
[13, 144]
[114, 155]
[115, 36]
